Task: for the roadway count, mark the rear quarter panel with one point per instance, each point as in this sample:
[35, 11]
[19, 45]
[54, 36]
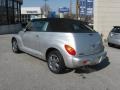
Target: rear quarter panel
[57, 41]
[53, 40]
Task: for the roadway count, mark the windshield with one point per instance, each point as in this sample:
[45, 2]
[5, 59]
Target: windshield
[116, 30]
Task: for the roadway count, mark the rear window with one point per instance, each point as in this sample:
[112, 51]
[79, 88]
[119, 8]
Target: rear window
[116, 30]
[69, 26]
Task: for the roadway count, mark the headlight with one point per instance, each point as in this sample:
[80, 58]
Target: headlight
[111, 34]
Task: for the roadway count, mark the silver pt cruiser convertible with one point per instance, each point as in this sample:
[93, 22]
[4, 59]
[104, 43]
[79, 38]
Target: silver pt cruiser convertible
[63, 43]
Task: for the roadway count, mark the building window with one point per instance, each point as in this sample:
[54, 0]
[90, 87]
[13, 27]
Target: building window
[10, 11]
[3, 13]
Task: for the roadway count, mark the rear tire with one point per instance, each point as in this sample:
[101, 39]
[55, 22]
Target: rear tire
[56, 62]
[15, 47]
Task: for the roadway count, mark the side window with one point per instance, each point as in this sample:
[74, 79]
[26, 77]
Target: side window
[56, 26]
[76, 27]
[39, 26]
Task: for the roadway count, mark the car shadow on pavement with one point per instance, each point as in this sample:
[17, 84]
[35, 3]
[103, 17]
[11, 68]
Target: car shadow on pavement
[116, 47]
[90, 69]
[85, 69]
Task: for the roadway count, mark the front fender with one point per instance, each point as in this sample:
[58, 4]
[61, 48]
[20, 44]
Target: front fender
[19, 40]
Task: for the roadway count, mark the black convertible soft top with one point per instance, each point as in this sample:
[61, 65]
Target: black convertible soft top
[64, 25]
[58, 20]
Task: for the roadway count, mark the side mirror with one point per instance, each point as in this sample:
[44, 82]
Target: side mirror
[26, 29]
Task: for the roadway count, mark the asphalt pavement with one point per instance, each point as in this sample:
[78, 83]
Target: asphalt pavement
[25, 72]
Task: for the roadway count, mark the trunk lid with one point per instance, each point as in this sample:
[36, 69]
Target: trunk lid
[88, 43]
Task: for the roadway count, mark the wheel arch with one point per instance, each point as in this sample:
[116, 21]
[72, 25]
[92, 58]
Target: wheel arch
[13, 38]
[59, 48]
[18, 39]
[49, 50]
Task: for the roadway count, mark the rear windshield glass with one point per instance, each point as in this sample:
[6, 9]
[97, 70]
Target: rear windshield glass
[69, 26]
[116, 29]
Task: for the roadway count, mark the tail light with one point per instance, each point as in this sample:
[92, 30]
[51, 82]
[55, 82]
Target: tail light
[70, 50]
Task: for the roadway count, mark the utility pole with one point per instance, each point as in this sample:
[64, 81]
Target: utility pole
[77, 9]
[70, 12]
[45, 6]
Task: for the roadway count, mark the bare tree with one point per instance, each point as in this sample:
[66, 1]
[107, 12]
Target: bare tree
[46, 9]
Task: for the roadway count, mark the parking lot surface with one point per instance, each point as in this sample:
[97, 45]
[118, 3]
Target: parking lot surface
[25, 72]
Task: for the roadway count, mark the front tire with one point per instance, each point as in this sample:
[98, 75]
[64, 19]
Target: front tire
[55, 62]
[15, 47]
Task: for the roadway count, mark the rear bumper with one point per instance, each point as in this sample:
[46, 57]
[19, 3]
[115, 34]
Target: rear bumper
[88, 60]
